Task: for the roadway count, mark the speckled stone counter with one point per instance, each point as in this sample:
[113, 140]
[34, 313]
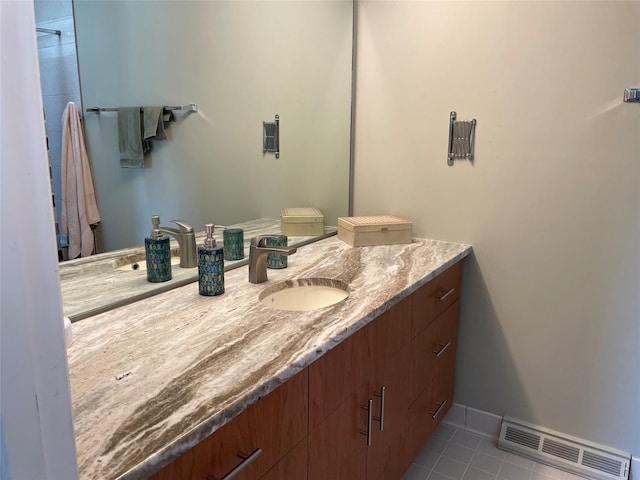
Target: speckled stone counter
[152, 379]
[94, 285]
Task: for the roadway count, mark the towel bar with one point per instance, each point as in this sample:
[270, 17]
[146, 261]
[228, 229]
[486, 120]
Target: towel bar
[192, 107]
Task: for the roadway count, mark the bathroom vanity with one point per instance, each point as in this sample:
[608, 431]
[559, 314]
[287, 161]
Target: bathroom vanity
[179, 386]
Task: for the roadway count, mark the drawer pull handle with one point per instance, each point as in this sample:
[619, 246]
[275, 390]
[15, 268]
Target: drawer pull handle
[438, 410]
[246, 460]
[367, 432]
[443, 347]
[381, 417]
[446, 294]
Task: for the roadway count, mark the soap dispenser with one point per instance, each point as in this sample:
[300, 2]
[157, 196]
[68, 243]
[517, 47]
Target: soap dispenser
[210, 265]
[157, 249]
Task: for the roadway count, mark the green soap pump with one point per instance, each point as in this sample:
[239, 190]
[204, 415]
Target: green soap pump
[210, 265]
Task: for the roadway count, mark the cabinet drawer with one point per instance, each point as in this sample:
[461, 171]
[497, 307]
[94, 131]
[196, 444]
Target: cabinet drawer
[426, 413]
[433, 298]
[434, 351]
[274, 424]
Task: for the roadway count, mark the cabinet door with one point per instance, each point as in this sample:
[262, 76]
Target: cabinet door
[339, 384]
[434, 357]
[335, 375]
[272, 426]
[435, 297]
[388, 456]
[338, 446]
[292, 467]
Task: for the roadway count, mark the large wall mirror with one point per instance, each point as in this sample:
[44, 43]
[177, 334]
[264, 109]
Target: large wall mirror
[242, 62]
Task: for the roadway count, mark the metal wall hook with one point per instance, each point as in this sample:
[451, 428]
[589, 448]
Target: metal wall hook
[271, 136]
[462, 136]
[631, 95]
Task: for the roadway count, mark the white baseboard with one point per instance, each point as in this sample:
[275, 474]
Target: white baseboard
[456, 416]
[483, 422]
[474, 420]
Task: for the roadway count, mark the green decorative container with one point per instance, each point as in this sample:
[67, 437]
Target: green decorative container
[233, 241]
[158, 256]
[275, 260]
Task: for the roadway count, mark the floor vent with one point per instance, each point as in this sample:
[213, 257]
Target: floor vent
[562, 451]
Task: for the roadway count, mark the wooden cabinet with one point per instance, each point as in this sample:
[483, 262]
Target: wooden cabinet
[377, 397]
[361, 411]
[272, 426]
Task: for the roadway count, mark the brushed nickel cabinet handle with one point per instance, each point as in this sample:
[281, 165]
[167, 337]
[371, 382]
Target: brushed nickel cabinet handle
[381, 417]
[246, 460]
[446, 294]
[367, 432]
[438, 410]
[443, 347]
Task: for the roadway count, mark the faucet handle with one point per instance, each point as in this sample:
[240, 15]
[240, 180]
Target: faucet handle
[184, 226]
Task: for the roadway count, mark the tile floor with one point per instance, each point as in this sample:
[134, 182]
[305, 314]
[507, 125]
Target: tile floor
[457, 454]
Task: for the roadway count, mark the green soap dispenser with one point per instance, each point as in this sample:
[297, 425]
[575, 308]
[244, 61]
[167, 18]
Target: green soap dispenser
[157, 249]
[210, 265]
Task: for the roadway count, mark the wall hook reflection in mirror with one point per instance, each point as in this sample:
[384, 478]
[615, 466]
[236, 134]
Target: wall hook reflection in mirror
[271, 137]
[462, 137]
[631, 95]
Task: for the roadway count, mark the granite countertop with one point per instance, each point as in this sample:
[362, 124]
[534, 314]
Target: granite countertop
[94, 285]
[152, 379]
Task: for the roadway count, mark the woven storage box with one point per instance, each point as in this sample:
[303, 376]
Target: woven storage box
[305, 222]
[380, 230]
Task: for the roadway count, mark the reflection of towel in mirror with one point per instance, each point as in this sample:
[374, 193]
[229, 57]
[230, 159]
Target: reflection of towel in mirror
[154, 123]
[130, 137]
[79, 207]
[136, 128]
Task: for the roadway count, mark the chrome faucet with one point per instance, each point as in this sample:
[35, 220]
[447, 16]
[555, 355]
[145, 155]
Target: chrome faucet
[186, 238]
[258, 251]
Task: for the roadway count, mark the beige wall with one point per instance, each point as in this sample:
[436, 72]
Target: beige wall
[550, 326]
[242, 62]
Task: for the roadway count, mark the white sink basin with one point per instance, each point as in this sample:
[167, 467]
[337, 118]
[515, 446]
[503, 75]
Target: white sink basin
[304, 294]
[138, 262]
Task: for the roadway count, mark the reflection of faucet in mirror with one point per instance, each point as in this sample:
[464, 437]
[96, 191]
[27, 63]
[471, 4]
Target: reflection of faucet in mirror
[186, 238]
[258, 257]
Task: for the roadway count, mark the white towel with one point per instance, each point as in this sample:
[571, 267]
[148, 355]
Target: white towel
[79, 207]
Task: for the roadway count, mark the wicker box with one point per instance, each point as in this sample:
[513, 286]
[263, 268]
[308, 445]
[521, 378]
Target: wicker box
[377, 230]
[305, 222]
